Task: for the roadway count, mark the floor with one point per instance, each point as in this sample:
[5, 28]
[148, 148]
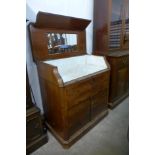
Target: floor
[108, 137]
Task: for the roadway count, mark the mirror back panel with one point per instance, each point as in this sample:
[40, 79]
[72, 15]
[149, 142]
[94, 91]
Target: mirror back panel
[48, 42]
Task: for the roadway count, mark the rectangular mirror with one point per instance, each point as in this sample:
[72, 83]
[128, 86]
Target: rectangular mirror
[61, 42]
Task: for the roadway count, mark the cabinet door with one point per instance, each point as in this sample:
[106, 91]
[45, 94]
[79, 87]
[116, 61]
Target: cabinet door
[119, 25]
[33, 128]
[122, 84]
[78, 116]
[99, 103]
[78, 92]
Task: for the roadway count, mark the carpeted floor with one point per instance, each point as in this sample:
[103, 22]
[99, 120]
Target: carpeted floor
[108, 137]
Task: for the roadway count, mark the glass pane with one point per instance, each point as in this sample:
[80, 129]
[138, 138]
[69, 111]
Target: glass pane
[116, 24]
[117, 6]
[61, 42]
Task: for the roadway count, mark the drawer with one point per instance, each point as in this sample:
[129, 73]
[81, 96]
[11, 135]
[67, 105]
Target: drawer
[101, 77]
[99, 103]
[78, 92]
[100, 82]
[78, 116]
[33, 128]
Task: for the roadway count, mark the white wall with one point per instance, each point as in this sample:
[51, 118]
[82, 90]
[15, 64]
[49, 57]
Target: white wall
[74, 8]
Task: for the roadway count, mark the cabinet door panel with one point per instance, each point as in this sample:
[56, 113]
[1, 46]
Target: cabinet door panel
[33, 129]
[99, 103]
[100, 83]
[78, 92]
[78, 116]
[122, 80]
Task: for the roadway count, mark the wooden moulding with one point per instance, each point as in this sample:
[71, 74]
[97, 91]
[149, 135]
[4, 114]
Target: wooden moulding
[50, 73]
[39, 42]
[54, 21]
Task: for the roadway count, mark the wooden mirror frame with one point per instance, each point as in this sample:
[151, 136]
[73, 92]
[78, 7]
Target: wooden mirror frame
[47, 22]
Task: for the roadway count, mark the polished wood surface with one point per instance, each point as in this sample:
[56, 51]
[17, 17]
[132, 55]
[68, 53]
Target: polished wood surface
[70, 108]
[39, 43]
[47, 22]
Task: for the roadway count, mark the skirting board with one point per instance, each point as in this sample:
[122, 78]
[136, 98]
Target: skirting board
[111, 105]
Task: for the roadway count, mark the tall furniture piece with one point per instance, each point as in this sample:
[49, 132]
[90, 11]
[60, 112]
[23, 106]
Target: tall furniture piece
[119, 77]
[74, 85]
[35, 134]
[111, 25]
[111, 39]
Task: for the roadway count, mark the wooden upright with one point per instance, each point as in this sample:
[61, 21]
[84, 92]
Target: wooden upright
[111, 39]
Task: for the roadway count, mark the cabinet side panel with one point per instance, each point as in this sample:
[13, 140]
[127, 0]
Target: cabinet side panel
[101, 27]
[54, 113]
[113, 79]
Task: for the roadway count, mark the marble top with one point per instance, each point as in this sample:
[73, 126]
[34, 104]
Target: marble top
[76, 67]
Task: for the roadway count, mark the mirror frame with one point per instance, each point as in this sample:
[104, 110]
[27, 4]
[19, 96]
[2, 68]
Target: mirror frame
[39, 43]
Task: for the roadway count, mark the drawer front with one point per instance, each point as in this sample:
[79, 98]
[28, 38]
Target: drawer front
[33, 128]
[99, 103]
[78, 116]
[100, 77]
[100, 83]
[82, 90]
[78, 92]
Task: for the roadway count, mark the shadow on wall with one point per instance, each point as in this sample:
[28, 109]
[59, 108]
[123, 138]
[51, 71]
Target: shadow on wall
[32, 72]
[30, 14]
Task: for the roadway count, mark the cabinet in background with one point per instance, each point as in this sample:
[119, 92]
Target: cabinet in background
[119, 77]
[111, 39]
[35, 132]
[111, 26]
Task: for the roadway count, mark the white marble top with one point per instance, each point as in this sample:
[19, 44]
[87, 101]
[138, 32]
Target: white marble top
[78, 66]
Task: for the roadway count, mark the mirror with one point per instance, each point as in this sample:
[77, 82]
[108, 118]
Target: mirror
[61, 42]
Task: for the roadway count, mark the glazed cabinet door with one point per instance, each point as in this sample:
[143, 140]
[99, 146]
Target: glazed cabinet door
[119, 25]
[115, 28]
